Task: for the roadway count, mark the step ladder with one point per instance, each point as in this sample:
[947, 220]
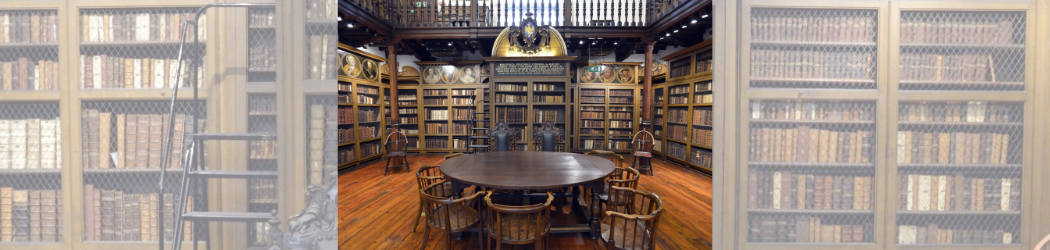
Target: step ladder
[195, 176]
[479, 130]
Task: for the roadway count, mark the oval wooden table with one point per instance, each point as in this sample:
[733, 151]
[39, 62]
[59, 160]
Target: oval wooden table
[532, 171]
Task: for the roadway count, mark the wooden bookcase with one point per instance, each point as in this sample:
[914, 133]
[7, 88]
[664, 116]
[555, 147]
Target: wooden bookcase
[678, 104]
[909, 107]
[367, 124]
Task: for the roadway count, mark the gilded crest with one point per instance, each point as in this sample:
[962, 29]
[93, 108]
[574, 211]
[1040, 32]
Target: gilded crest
[530, 39]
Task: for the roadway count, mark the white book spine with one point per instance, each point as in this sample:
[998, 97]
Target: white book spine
[142, 27]
[158, 73]
[47, 144]
[1004, 199]
[33, 144]
[83, 63]
[138, 73]
[96, 67]
[58, 144]
[942, 191]
[92, 27]
[5, 148]
[172, 71]
[911, 193]
[18, 144]
[924, 192]
[776, 190]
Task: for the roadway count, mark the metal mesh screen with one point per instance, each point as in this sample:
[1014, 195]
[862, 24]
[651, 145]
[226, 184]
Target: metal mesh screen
[121, 153]
[813, 48]
[29, 50]
[811, 170]
[962, 51]
[321, 39]
[321, 121]
[262, 156]
[30, 172]
[262, 45]
[138, 48]
[959, 172]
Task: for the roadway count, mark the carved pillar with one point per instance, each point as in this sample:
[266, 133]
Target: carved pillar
[391, 60]
[647, 115]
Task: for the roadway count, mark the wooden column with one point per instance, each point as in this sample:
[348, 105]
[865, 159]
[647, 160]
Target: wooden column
[647, 92]
[391, 60]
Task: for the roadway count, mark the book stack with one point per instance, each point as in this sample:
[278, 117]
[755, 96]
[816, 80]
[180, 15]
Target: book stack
[592, 92]
[510, 98]
[704, 62]
[128, 216]
[367, 132]
[263, 191]
[347, 154]
[460, 128]
[434, 100]
[28, 74]
[700, 157]
[37, 27]
[102, 71]
[367, 115]
[958, 148]
[592, 115]
[621, 124]
[703, 116]
[592, 100]
[346, 115]
[919, 28]
[437, 114]
[933, 234]
[437, 143]
[437, 128]
[823, 26]
[462, 101]
[619, 144]
[458, 143]
[676, 115]
[702, 136]
[591, 143]
[346, 136]
[812, 64]
[811, 145]
[510, 114]
[812, 110]
[462, 113]
[370, 148]
[676, 150]
[30, 215]
[548, 98]
[802, 228]
[784, 190]
[406, 99]
[676, 132]
[138, 25]
[322, 48]
[543, 116]
[124, 140]
[262, 55]
[961, 112]
[593, 124]
[30, 144]
[679, 68]
[958, 192]
[511, 87]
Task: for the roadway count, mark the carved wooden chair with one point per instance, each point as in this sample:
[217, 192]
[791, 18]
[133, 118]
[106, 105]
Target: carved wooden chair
[502, 138]
[547, 138]
[396, 149]
[425, 176]
[447, 214]
[621, 177]
[642, 149]
[518, 225]
[633, 226]
[609, 155]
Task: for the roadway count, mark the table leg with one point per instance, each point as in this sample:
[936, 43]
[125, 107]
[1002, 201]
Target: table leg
[594, 215]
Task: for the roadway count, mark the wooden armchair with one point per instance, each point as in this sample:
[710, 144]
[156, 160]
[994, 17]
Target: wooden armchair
[621, 177]
[609, 155]
[447, 214]
[518, 225]
[633, 226]
[502, 138]
[548, 138]
[426, 176]
[642, 149]
[396, 149]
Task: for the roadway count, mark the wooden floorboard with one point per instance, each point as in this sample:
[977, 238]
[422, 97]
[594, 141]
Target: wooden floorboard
[378, 212]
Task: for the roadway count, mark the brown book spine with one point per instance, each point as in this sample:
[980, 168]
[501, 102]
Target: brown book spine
[142, 136]
[156, 132]
[34, 215]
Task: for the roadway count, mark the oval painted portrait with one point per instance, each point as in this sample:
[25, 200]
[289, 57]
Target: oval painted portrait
[625, 74]
[432, 75]
[608, 74]
[351, 66]
[468, 75]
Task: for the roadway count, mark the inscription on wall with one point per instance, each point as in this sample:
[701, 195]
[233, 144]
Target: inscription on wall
[529, 69]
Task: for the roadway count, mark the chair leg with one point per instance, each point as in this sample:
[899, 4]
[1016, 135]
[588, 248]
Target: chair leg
[448, 239]
[419, 214]
[426, 236]
[387, 167]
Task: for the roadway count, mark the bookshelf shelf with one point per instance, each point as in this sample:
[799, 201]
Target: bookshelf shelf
[824, 212]
[959, 213]
[962, 46]
[809, 45]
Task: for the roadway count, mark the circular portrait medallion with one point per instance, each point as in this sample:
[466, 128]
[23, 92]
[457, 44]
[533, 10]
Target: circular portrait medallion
[449, 74]
[351, 66]
[371, 70]
[625, 74]
[468, 75]
[608, 74]
[432, 75]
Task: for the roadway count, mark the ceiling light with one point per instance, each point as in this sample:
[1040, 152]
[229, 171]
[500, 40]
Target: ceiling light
[449, 43]
[615, 43]
[693, 21]
[661, 38]
[340, 18]
[350, 25]
[705, 15]
[684, 26]
[581, 41]
[594, 42]
[668, 34]
[675, 31]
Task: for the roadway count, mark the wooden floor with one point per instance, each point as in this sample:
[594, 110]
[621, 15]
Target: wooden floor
[377, 212]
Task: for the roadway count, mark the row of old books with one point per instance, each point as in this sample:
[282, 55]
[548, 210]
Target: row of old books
[786, 190]
[592, 100]
[402, 98]
[344, 97]
[615, 145]
[263, 150]
[115, 215]
[705, 65]
[621, 92]
[701, 157]
[933, 234]
[814, 26]
[703, 136]
[591, 143]
[592, 92]
[676, 150]
[437, 114]
[28, 27]
[591, 131]
[546, 87]
[262, 54]
[261, 18]
[676, 115]
[592, 108]
[264, 190]
[703, 98]
[370, 148]
[458, 143]
[620, 114]
[681, 99]
[548, 98]
[678, 90]
[676, 132]
[367, 132]
[462, 113]
[592, 124]
[347, 154]
[413, 142]
[509, 98]
[510, 114]
[437, 128]
[30, 215]
[812, 110]
[368, 90]
[803, 228]
[434, 101]
[812, 64]
[460, 128]
[407, 111]
[511, 87]
[322, 57]
[363, 99]
[679, 68]
[462, 101]
[434, 92]
[921, 28]
[944, 67]
[105, 72]
[25, 74]
[437, 143]
[542, 116]
[346, 136]
[702, 86]
[812, 145]
[957, 192]
[619, 100]
[982, 112]
[139, 25]
[703, 117]
[127, 141]
[367, 115]
[346, 115]
[918, 147]
[30, 144]
[462, 92]
[345, 87]
[406, 120]
[592, 115]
